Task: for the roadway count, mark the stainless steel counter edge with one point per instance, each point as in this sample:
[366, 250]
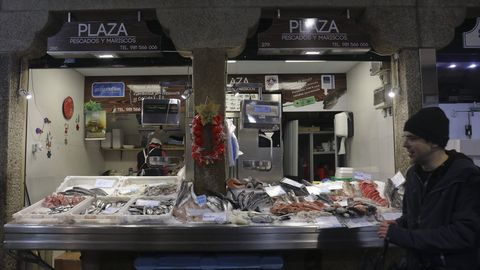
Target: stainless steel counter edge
[189, 238]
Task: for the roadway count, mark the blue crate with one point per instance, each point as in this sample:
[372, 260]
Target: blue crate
[208, 262]
[183, 262]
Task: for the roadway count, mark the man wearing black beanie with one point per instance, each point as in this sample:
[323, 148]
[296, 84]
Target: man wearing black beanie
[440, 222]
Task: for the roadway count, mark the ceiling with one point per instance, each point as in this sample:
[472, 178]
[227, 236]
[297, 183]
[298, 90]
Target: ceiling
[240, 67]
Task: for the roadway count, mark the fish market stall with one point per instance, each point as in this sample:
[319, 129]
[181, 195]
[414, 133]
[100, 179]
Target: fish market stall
[164, 214]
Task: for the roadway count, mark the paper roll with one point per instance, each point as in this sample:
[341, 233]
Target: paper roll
[341, 151]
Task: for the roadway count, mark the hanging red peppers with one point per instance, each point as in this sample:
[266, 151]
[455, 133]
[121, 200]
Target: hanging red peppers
[200, 154]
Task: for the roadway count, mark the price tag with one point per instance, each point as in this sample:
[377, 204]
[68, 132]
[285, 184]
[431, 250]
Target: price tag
[292, 183]
[362, 176]
[128, 190]
[316, 190]
[359, 222]
[110, 210]
[343, 203]
[104, 183]
[201, 200]
[274, 191]
[398, 179]
[148, 203]
[328, 222]
[218, 217]
[391, 215]
[335, 185]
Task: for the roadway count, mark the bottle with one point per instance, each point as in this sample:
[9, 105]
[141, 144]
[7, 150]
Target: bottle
[130, 171]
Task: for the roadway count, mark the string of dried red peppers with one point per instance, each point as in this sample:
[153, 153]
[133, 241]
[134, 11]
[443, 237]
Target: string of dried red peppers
[207, 114]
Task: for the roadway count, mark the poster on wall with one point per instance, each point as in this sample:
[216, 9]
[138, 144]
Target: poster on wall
[303, 92]
[126, 96]
[95, 125]
[314, 92]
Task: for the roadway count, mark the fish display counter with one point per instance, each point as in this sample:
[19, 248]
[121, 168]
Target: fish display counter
[164, 214]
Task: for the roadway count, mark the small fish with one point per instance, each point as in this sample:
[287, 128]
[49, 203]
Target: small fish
[99, 191]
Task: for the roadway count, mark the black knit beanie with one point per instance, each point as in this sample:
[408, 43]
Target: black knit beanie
[430, 124]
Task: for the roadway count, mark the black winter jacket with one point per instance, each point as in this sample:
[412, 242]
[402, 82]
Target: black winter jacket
[440, 229]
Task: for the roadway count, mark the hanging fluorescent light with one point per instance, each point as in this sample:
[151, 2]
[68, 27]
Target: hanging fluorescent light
[452, 66]
[25, 93]
[312, 52]
[104, 56]
[231, 61]
[472, 66]
[305, 61]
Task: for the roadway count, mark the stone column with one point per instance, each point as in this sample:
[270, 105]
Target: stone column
[12, 145]
[20, 38]
[407, 102]
[209, 80]
[209, 34]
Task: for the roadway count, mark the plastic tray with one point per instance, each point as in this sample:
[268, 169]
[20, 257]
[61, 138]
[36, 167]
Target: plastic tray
[37, 214]
[77, 215]
[135, 185]
[164, 218]
[108, 183]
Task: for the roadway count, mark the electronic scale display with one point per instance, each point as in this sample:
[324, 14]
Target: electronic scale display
[160, 112]
[261, 114]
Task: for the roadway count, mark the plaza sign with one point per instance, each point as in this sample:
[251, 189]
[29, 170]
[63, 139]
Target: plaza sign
[299, 36]
[87, 39]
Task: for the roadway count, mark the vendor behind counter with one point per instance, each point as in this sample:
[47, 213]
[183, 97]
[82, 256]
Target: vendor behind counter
[149, 160]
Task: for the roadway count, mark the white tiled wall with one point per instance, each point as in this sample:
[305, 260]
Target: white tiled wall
[371, 148]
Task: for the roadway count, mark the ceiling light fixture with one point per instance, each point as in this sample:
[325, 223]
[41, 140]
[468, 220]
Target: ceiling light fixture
[391, 94]
[312, 52]
[231, 61]
[472, 66]
[25, 93]
[187, 93]
[309, 23]
[452, 66]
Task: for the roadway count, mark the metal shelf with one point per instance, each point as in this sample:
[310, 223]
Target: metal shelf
[165, 148]
[324, 153]
[136, 149]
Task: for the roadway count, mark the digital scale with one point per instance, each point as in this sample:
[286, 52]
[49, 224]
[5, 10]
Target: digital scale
[160, 112]
[261, 114]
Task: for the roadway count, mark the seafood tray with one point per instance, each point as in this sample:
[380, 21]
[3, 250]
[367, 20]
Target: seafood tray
[106, 183]
[38, 214]
[100, 210]
[149, 209]
[147, 186]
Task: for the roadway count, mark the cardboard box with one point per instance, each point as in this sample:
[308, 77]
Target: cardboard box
[68, 261]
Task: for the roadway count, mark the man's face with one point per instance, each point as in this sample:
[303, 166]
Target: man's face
[419, 150]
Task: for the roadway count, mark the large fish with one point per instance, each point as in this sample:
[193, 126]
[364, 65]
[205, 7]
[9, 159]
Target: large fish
[332, 98]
